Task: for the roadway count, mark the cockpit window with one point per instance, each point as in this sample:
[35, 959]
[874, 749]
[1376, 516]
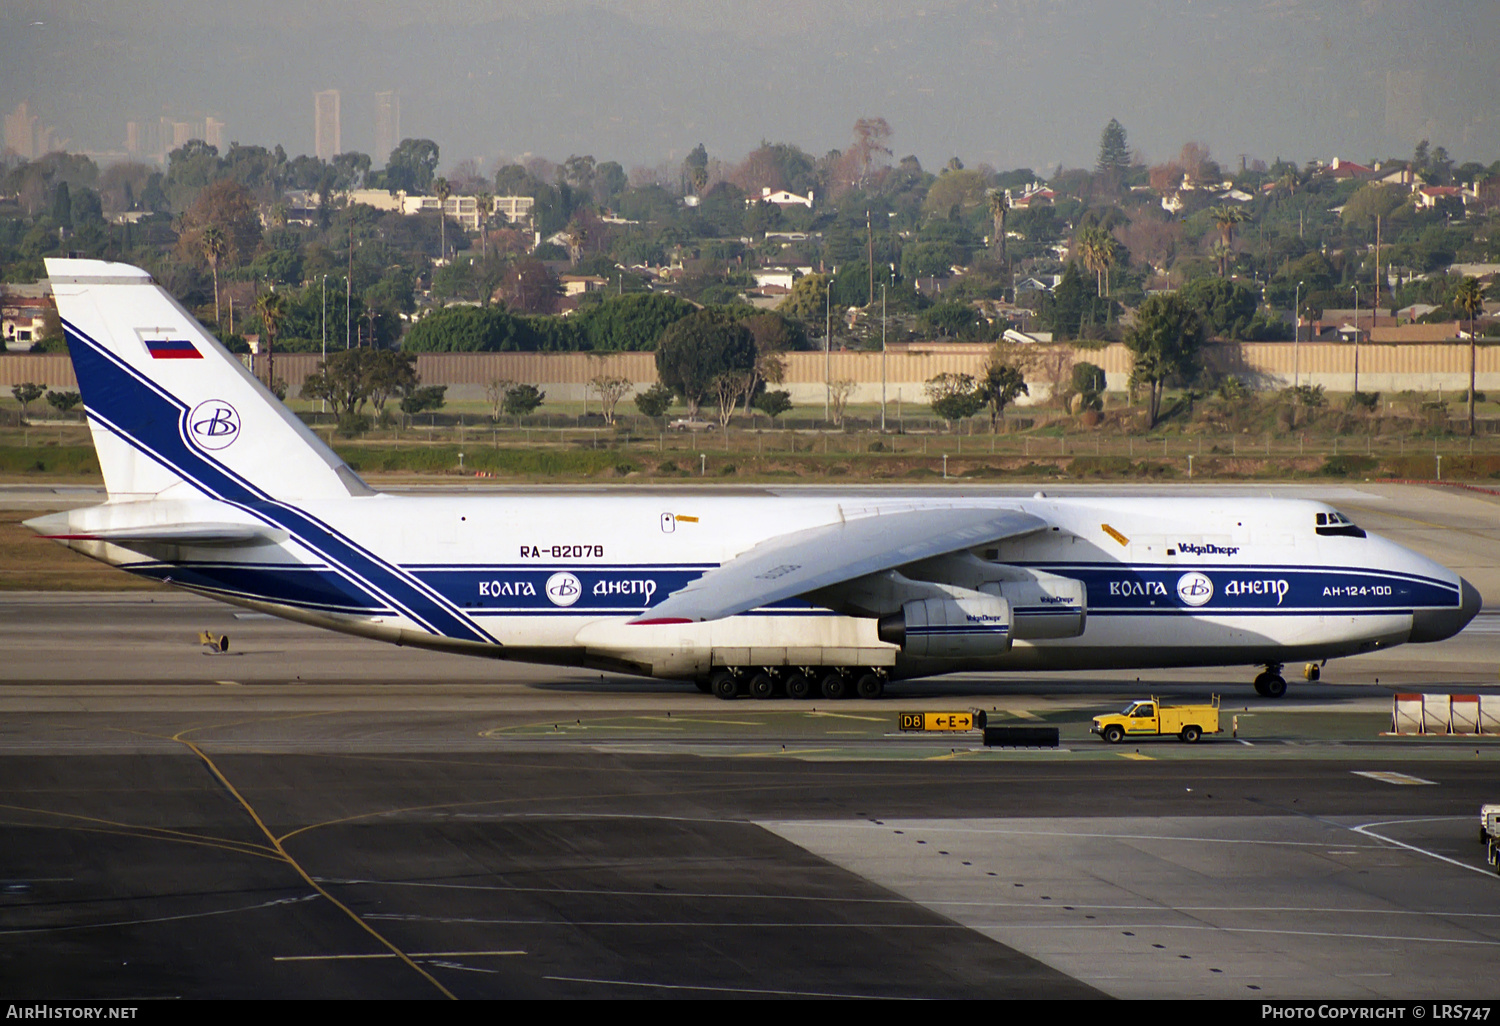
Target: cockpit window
[1337, 524]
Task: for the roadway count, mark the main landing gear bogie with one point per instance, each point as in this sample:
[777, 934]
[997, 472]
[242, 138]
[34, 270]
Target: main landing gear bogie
[1271, 684]
[796, 682]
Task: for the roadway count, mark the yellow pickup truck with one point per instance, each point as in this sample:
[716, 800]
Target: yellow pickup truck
[1149, 718]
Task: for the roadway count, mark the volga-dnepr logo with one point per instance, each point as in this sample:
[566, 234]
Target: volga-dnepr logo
[213, 424]
[563, 589]
[1194, 589]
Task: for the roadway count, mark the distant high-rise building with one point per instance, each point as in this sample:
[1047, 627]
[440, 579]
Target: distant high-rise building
[20, 132]
[213, 133]
[27, 137]
[326, 141]
[387, 125]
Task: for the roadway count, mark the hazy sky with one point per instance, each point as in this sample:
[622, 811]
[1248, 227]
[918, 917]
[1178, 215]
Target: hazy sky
[1007, 82]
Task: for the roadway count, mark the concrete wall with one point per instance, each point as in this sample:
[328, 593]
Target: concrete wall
[564, 377]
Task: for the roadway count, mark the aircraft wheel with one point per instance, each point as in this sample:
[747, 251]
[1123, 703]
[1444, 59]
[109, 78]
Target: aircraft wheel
[1191, 734]
[762, 686]
[799, 686]
[870, 685]
[835, 686]
[1275, 685]
[1114, 734]
[725, 685]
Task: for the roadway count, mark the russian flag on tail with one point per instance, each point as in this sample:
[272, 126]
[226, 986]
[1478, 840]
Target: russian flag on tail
[172, 349]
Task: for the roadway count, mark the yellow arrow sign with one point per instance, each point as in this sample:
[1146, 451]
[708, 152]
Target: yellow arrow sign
[937, 721]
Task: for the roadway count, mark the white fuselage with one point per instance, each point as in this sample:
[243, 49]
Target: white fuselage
[548, 578]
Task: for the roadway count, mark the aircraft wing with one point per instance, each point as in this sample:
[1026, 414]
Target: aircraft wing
[804, 561]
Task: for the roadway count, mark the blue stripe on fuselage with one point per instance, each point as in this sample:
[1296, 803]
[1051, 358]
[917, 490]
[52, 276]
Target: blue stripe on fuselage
[1256, 589]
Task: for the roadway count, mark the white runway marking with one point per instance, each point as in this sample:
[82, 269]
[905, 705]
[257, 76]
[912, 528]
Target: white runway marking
[728, 990]
[162, 919]
[1392, 777]
[391, 954]
[1368, 832]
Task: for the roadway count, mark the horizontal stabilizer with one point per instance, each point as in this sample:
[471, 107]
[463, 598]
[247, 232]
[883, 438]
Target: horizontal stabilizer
[58, 527]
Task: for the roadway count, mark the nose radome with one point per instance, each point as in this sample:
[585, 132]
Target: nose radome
[1438, 624]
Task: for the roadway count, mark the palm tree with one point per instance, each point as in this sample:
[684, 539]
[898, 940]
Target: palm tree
[272, 310]
[1225, 218]
[1096, 248]
[485, 204]
[1108, 255]
[443, 190]
[578, 235]
[1468, 296]
[215, 245]
[999, 210]
[1289, 181]
[1222, 255]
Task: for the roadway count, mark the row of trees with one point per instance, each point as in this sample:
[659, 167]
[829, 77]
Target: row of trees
[28, 392]
[878, 220]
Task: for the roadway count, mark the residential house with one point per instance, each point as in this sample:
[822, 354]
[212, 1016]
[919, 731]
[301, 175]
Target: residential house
[1426, 197]
[23, 314]
[778, 276]
[1348, 169]
[578, 284]
[1037, 283]
[1035, 194]
[782, 198]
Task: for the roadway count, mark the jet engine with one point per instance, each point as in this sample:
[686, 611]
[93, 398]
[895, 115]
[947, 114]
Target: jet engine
[1044, 605]
[973, 625]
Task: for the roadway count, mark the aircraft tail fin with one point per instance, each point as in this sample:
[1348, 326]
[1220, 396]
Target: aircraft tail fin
[167, 404]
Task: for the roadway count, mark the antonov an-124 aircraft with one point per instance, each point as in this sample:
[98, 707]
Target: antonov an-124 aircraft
[215, 487]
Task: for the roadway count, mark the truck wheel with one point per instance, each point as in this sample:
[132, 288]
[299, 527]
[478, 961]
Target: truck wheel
[762, 686]
[1113, 734]
[870, 685]
[725, 685]
[1191, 734]
[799, 686]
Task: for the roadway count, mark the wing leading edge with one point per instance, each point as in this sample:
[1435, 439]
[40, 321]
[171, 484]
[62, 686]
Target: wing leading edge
[804, 561]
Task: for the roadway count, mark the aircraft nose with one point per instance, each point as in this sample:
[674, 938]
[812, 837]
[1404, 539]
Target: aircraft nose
[1437, 624]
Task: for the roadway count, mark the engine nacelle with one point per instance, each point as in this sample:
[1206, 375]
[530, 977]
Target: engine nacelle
[1046, 606]
[950, 628]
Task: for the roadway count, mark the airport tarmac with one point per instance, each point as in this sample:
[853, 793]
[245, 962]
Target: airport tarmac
[312, 815]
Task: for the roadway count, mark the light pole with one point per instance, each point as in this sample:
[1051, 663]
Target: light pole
[882, 358]
[1356, 337]
[325, 334]
[1297, 339]
[827, 348]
